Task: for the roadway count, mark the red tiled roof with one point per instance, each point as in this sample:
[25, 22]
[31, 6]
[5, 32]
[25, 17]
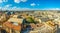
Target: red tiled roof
[10, 25]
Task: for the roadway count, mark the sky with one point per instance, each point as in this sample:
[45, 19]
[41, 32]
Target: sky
[30, 4]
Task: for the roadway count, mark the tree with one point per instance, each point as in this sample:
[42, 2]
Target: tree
[30, 20]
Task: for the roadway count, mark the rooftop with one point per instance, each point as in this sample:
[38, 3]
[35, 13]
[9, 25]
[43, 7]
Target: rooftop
[10, 25]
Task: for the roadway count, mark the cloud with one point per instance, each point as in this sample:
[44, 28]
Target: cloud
[15, 8]
[8, 5]
[33, 4]
[1, 1]
[23, 0]
[51, 9]
[18, 1]
[18, 8]
[5, 0]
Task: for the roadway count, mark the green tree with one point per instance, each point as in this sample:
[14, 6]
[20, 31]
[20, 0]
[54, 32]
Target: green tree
[30, 20]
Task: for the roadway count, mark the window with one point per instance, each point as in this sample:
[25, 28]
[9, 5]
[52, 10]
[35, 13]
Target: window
[14, 23]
